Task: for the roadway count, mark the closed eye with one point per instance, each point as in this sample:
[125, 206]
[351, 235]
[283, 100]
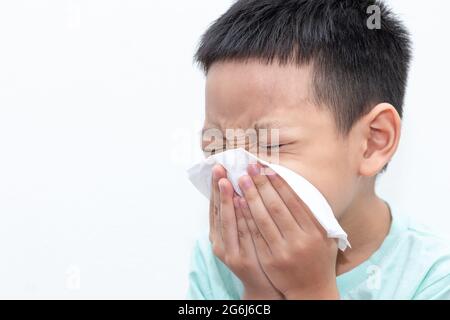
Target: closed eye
[274, 146]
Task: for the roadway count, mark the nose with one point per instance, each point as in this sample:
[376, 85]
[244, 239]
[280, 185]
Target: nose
[239, 138]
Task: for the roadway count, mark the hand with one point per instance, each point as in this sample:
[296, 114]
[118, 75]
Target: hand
[232, 242]
[292, 247]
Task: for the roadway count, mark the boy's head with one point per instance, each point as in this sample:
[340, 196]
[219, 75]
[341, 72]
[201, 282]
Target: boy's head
[321, 75]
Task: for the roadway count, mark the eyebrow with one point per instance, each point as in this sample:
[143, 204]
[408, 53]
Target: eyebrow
[268, 124]
[263, 124]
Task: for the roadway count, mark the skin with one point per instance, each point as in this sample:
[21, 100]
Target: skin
[268, 237]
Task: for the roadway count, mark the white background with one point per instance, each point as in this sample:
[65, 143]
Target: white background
[99, 107]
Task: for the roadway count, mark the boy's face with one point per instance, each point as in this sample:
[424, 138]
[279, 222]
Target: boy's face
[253, 95]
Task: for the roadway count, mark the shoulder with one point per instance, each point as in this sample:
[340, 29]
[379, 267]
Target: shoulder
[431, 244]
[429, 252]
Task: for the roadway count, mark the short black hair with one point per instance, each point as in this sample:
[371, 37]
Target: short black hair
[355, 66]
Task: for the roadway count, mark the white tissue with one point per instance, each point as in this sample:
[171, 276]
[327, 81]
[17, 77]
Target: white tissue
[236, 161]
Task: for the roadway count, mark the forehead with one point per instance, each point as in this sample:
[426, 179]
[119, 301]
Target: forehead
[247, 93]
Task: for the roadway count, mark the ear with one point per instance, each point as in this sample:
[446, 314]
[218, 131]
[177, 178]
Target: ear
[381, 134]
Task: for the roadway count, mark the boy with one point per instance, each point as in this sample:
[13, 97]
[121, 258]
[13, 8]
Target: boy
[332, 87]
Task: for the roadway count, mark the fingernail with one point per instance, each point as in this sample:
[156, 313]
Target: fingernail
[221, 185]
[215, 173]
[246, 182]
[253, 170]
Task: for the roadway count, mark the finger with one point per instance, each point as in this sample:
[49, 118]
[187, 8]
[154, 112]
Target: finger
[277, 209]
[262, 218]
[246, 247]
[294, 203]
[218, 172]
[211, 218]
[228, 218]
[258, 241]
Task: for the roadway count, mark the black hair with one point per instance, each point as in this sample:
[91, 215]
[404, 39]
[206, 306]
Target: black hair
[356, 64]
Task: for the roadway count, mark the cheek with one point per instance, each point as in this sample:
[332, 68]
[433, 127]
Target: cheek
[338, 190]
[334, 183]
[338, 184]
[330, 171]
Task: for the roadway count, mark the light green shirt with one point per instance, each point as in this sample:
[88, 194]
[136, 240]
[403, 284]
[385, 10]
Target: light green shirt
[412, 263]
